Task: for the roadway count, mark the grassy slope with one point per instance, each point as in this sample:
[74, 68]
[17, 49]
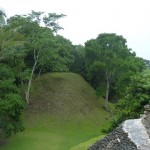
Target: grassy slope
[63, 112]
[87, 144]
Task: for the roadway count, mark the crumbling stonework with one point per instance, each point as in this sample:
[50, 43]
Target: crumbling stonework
[133, 134]
[116, 140]
[146, 118]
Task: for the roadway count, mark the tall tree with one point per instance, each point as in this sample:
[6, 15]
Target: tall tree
[23, 46]
[38, 39]
[106, 57]
[11, 102]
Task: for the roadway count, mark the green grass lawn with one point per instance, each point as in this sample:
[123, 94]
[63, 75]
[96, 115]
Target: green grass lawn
[87, 144]
[51, 134]
[64, 113]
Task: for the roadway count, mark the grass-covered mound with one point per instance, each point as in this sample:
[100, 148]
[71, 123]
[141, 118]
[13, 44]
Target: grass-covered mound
[63, 112]
[62, 95]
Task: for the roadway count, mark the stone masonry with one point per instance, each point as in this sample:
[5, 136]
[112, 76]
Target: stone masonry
[133, 134]
[146, 118]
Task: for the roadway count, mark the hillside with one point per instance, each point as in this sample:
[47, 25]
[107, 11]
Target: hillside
[63, 112]
[62, 94]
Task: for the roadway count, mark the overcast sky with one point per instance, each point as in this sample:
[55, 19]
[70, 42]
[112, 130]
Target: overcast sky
[87, 18]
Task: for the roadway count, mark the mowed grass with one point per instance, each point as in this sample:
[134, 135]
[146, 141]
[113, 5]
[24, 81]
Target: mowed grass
[87, 144]
[63, 113]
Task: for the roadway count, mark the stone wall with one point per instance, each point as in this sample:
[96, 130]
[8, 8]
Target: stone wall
[133, 134]
[146, 118]
[116, 140]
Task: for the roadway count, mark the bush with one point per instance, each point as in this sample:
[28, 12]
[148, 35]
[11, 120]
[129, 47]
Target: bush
[132, 105]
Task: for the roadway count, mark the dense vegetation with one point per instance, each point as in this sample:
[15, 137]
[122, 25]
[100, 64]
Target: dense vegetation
[30, 46]
[110, 65]
[27, 48]
[136, 96]
[63, 112]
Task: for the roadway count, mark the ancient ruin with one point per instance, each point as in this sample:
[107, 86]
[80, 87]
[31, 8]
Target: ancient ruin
[133, 134]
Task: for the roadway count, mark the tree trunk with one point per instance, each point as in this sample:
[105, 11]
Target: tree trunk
[27, 93]
[107, 92]
[29, 83]
[39, 73]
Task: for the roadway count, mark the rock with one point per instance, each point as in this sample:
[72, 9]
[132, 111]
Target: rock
[147, 107]
[116, 140]
[133, 134]
[137, 133]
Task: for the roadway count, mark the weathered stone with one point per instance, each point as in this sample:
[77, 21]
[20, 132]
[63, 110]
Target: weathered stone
[133, 134]
[147, 107]
[141, 115]
[137, 133]
[146, 112]
[116, 140]
[146, 120]
[144, 116]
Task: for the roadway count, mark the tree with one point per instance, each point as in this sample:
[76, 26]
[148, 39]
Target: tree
[43, 50]
[38, 45]
[12, 51]
[78, 60]
[136, 97]
[11, 103]
[106, 57]
[51, 21]
[23, 46]
[38, 39]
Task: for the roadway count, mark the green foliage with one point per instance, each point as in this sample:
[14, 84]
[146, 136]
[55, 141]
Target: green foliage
[137, 95]
[64, 112]
[26, 46]
[78, 60]
[52, 52]
[11, 103]
[50, 21]
[11, 109]
[108, 60]
[22, 43]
